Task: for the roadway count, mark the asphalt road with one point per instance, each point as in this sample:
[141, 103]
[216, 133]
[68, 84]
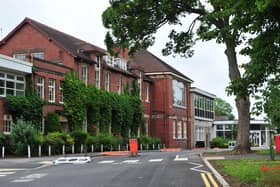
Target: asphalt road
[151, 169]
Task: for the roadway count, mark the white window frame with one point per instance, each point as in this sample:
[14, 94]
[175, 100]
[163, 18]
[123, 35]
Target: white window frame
[107, 81]
[16, 81]
[176, 86]
[85, 74]
[119, 84]
[185, 129]
[40, 55]
[174, 129]
[60, 93]
[147, 93]
[179, 129]
[7, 123]
[20, 56]
[41, 87]
[51, 90]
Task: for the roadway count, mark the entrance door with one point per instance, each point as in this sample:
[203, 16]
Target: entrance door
[255, 138]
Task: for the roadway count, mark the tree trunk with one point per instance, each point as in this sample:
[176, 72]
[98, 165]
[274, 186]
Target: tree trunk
[242, 103]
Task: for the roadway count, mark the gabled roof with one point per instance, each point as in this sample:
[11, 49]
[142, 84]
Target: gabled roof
[76, 47]
[152, 64]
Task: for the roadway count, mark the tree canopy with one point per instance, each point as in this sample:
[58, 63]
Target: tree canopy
[223, 108]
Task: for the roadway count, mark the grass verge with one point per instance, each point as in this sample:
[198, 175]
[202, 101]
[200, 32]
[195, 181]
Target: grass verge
[246, 173]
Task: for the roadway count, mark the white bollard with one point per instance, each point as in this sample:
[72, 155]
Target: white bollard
[63, 149]
[50, 150]
[141, 147]
[29, 152]
[92, 148]
[3, 152]
[119, 147]
[73, 149]
[158, 146]
[82, 148]
[163, 146]
[39, 151]
[101, 149]
[126, 147]
[153, 146]
[147, 147]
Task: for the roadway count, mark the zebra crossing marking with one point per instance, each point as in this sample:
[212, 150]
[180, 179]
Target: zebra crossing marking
[156, 160]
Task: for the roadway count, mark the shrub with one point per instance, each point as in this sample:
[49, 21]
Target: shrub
[4, 140]
[79, 137]
[92, 140]
[219, 142]
[52, 123]
[22, 135]
[56, 140]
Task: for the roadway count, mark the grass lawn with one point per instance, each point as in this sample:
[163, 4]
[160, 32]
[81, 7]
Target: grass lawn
[248, 173]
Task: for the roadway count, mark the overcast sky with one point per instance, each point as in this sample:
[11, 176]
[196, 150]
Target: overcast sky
[82, 19]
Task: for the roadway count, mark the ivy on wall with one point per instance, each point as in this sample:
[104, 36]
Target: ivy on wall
[28, 108]
[106, 111]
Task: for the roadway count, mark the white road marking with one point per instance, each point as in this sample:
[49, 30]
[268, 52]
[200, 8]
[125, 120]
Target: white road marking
[30, 178]
[8, 171]
[156, 160]
[106, 162]
[130, 161]
[198, 166]
[180, 159]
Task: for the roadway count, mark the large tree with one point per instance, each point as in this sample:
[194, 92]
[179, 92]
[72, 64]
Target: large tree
[133, 24]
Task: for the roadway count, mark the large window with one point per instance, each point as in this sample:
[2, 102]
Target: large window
[107, 81]
[8, 120]
[20, 56]
[85, 74]
[41, 87]
[185, 130]
[204, 107]
[225, 131]
[200, 134]
[179, 94]
[11, 84]
[51, 90]
[97, 72]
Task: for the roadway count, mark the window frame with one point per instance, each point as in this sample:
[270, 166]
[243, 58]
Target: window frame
[14, 81]
[41, 87]
[84, 74]
[7, 123]
[51, 90]
[175, 88]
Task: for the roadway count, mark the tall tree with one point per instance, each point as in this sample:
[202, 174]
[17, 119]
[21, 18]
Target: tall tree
[223, 108]
[133, 24]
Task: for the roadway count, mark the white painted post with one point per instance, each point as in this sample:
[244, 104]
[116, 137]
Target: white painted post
[147, 147]
[111, 148]
[63, 149]
[153, 146]
[82, 148]
[163, 146]
[39, 151]
[3, 152]
[158, 146]
[119, 147]
[50, 150]
[127, 147]
[101, 149]
[29, 152]
[141, 147]
[92, 148]
[73, 149]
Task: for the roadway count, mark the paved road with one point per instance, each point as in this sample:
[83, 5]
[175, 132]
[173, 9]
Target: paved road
[152, 169]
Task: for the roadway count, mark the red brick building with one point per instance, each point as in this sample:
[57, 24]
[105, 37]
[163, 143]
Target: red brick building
[164, 90]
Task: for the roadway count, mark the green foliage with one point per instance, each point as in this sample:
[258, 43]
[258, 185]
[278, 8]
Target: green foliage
[223, 108]
[28, 108]
[219, 142]
[52, 123]
[22, 135]
[245, 171]
[148, 140]
[103, 109]
[4, 140]
[79, 137]
[75, 100]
